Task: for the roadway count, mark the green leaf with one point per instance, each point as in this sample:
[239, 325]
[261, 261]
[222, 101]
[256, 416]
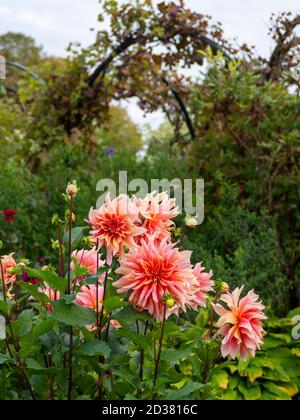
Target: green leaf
[23, 325]
[42, 329]
[137, 339]
[49, 277]
[174, 356]
[40, 297]
[280, 392]
[114, 302]
[186, 391]
[129, 315]
[4, 359]
[73, 315]
[77, 235]
[33, 364]
[95, 348]
[220, 379]
[4, 307]
[254, 373]
[251, 394]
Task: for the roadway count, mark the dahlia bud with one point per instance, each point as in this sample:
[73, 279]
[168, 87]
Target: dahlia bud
[224, 287]
[55, 244]
[1, 244]
[72, 189]
[87, 241]
[67, 216]
[56, 220]
[170, 303]
[191, 221]
[169, 300]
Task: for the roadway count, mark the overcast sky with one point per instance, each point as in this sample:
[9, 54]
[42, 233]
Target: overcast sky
[54, 23]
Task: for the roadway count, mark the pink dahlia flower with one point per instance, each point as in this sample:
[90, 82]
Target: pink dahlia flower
[51, 294]
[240, 324]
[152, 271]
[114, 227]
[200, 287]
[88, 260]
[156, 212]
[87, 297]
[8, 262]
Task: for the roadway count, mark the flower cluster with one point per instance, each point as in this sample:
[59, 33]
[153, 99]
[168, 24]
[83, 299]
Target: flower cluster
[153, 273]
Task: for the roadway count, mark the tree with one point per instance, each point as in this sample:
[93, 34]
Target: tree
[120, 132]
[20, 48]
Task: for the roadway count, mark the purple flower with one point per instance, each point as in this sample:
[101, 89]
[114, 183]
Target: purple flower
[109, 151]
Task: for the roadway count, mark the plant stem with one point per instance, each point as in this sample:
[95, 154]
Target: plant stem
[103, 300]
[97, 292]
[157, 361]
[61, 257]
[70, 245]
[3, 281]
[212, 317]
[182, 236]
[51, 385]
[101, 359]
[70, 362]
[142, 358]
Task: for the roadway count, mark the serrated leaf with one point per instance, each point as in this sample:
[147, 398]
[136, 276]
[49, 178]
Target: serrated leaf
[73, 315]
[95, 348]
[136, 338]
[113, 303]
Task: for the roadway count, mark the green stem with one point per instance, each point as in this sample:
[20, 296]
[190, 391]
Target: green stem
[157, 361]
[70, 361]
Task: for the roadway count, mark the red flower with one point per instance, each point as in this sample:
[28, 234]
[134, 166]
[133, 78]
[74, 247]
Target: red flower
[9, 215]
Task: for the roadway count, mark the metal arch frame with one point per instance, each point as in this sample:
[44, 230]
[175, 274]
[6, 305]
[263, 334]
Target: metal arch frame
[132, 40]
[102, 68]
[26, 70]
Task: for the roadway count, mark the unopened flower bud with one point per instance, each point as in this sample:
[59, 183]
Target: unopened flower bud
[1, 244]
[67, 216]
[72, 189]
[55, 244]
[191, 221]
[224, 287]
[170, 303]
[55, 219]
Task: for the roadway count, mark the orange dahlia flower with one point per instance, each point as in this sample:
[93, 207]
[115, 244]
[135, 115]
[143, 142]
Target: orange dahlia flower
[114, 227]
[152, 271]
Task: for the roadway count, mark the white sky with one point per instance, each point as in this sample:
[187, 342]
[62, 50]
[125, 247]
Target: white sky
[55, 23]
